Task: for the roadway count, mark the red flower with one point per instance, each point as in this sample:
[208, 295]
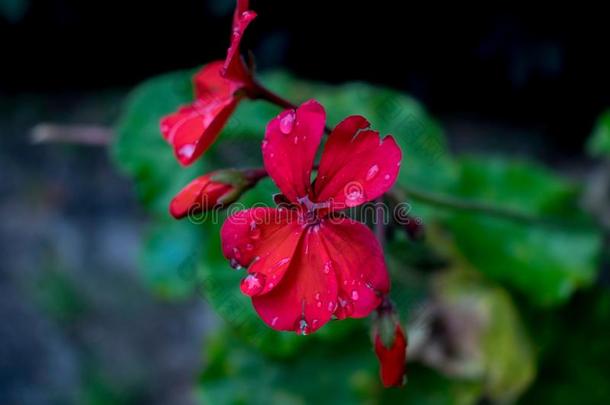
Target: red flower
[305, 263]
[202, 194]
[218, 88]
[392, 358]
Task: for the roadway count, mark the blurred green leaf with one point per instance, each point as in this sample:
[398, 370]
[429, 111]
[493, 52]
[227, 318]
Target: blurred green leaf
[546, 262]
[495, 347]
[320, 374]
[599, 142]
[575, 352]
[14, 10]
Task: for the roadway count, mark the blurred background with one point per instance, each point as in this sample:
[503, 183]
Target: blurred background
[78, 325]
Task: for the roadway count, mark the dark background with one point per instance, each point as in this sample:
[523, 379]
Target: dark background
[544, 70]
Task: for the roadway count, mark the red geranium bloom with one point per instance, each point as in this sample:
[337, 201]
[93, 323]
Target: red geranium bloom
[392, 359]
[305, 263]
[218, 88]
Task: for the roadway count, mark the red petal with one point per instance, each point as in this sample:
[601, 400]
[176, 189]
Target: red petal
[356, 165]
[290, 145]
[358, 262]
[306, 297]
[234, 67]
[392, 360]
[263, 239]
[199, 195]
[210, 84]
[193, 129]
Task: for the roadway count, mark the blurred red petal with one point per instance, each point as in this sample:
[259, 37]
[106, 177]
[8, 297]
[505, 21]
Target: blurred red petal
[199, 195]
[194, 128]
[234, 68]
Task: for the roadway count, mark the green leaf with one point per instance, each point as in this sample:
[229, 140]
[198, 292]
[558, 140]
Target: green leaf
[546, 262]
[575, 352]
[321, 374]
[496, 347]
[599, 142]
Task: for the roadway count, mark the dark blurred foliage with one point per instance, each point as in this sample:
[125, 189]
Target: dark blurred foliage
[544, 69]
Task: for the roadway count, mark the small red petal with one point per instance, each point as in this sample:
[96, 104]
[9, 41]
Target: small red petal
[199, 195]
[392, 360]
[234, 67]
[356, 165]
[210, 84]
[194, 128]
[289, 148]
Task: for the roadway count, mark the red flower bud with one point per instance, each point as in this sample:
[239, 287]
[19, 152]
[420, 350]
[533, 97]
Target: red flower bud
[209, 191]
[391, 352]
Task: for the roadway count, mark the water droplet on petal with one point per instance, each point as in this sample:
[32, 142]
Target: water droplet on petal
[186, 151]
[296, 140]
[317, 296]
[234, 263]
[253, 284]
[249, 246]
[332, 306]
[236, 253]
[314, 323]
[255, 231]
[303, 327]
[386, 177]
[327, 267]
[287, 122]
[373, 170]
[274, 320]
[355, 295]
[319, 304]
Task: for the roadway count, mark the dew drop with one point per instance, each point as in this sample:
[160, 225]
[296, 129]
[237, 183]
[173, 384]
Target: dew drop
[253, 284]
[236, 253]
[386, 177]
[303, 327]
[332, 306]
[355, 295]
[255, 231]
[314, 323]
[317, 296]
[373, 170]
[319, 304]
[234, 263]
[274, 321]
[296, 140]
[249, 246]
[186, 151]
[287, 122]
[327, 267]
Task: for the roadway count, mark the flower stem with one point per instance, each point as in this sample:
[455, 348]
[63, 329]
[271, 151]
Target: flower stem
[403, 193]
[263, 93]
